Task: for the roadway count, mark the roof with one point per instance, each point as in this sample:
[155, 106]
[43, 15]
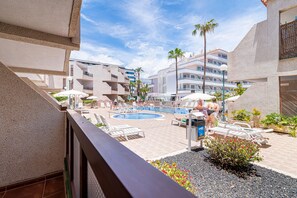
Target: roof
[264, 2]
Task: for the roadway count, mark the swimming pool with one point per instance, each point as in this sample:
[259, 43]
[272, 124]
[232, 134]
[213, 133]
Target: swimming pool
[171, 110]
[137, 116]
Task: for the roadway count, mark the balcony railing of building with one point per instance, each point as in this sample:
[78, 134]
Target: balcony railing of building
[288, 40]
[88, 74]
[99, 166]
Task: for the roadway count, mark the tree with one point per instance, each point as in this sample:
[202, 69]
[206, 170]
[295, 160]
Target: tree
[144, 90]
[239, 90]
[175, 54]
[203, 29]
[132, 85]
[138, 82]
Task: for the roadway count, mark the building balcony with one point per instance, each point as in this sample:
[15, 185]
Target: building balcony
[288, 40]
[88, 90]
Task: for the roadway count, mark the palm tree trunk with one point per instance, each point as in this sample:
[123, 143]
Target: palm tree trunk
[176, 80]
[204, 72]
[138, 84]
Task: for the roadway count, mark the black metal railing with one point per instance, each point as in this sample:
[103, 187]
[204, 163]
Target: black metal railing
[288, 40]
[98, 164]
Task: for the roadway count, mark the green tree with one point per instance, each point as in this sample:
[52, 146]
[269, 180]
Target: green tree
[144, 91]
[203, 29]
[175, 54]
[138, 82]
[132, 85]
[239, 90]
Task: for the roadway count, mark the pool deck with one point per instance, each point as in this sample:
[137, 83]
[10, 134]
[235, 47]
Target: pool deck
[163, 139]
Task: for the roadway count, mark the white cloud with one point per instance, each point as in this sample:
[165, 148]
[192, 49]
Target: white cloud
[148, 37]
[94, 53]
[227, 35]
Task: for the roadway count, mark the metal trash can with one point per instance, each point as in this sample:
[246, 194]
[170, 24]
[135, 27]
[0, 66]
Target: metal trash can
[197, 129]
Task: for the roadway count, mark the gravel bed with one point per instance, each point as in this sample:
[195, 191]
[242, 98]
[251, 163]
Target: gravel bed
[210, 181]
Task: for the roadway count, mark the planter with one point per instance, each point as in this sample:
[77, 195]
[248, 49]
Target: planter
[280, 129]
[256, 121]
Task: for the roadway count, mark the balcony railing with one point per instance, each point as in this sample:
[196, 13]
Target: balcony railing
[99, 166]
[288, 40]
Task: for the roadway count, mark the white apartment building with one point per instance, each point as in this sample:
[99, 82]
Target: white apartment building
[190, 75]
[106, 81]
[267, 55]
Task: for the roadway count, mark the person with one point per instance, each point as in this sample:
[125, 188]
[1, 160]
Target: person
[115, 103]
[212, 111]
[200, 107]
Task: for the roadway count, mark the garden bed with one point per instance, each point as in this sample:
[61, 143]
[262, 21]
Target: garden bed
[211, 181]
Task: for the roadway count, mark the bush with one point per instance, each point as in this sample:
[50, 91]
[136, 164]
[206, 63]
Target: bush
[88, 101]
[99, 125]
[241, 115]
[256, 112]
[276, 119]
[61, 98]
[179, 176]
[233, 152]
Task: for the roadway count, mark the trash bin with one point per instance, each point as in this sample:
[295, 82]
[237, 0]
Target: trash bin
[198, 129]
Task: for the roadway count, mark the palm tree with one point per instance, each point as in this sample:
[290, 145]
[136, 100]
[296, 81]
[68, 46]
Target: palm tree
[175, 54]
[138, 82]
[204, 29]
[132, 85]
[144, 90]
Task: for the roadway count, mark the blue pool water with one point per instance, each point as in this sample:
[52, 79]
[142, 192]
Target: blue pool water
[165, 109]
[137, 116]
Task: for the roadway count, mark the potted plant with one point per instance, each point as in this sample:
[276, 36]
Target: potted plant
[256, 117]
[241, 115]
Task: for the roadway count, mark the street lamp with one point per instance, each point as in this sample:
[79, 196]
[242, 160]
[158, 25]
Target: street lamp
[224, 69]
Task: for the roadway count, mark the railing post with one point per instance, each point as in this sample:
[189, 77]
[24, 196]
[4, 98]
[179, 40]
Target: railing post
[83, 174]
[71, 161]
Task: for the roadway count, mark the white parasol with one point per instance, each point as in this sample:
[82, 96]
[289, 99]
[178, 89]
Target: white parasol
[197, 96]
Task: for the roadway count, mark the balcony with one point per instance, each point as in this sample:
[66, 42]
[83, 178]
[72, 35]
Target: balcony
[99, 165]
[88, 90]
[288, 40]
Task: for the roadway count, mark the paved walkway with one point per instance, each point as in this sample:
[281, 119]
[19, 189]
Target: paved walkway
[164, 139]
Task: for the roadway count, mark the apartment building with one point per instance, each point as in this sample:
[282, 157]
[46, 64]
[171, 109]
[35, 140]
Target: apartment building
[106, 81]
[267, 56]
[190, 75]
[130, 73]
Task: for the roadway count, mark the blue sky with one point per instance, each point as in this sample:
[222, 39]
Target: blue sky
[137, 33]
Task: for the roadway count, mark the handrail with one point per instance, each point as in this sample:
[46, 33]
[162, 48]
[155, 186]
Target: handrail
[288, 41]
[119, 171]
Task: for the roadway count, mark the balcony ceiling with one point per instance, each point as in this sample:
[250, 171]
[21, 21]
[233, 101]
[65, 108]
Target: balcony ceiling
[37, 36]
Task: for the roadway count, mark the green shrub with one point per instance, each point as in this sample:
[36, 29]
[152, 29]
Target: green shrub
[61, 98]
[277, 119]
[233, 152]
[256, 112]
[99, 125]
[88, 101]
[241, 115]
[179, 176]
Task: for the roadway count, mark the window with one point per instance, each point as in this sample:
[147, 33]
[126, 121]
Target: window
[192, 76]
[192, 86]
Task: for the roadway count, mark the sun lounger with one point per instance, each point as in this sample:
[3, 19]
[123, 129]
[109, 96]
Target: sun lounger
[236, 129]
[120, 130]
[179, 119]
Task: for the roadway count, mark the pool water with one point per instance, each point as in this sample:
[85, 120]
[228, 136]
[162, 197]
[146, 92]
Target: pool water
[137, 116]
[171, 110]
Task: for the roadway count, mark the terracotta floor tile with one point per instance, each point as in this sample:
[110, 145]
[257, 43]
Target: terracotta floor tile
[57, 195]
[53, 186]
[31, 191]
